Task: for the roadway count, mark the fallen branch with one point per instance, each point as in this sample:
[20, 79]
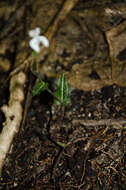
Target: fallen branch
[13, 114]
[99, 122]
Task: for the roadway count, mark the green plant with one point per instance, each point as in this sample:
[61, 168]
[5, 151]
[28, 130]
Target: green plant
[62, 94]
[62, 91]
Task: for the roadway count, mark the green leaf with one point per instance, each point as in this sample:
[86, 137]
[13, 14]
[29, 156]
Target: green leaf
[62, 91]
[40, 86]
[61, 144]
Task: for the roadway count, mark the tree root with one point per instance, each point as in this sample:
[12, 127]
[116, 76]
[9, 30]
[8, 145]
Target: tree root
[13, 113]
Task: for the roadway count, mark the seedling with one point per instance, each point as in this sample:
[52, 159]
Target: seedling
[62, 95]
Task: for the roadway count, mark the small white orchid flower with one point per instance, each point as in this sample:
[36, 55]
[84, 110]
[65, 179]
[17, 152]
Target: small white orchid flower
[37, 39]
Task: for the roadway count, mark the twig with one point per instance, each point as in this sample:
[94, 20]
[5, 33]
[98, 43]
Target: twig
[28, 101]
[99, 122]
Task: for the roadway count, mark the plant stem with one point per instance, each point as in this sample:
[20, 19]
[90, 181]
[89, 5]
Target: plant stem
[54, 96]
[39, 77]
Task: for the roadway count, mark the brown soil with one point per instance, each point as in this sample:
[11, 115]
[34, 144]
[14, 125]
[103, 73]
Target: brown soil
[93, 157]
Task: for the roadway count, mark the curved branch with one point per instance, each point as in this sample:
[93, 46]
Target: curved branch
[13, 113]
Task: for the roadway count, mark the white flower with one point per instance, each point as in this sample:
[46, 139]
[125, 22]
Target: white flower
[37, 39]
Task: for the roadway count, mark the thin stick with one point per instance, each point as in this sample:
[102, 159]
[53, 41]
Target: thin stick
[99, 122]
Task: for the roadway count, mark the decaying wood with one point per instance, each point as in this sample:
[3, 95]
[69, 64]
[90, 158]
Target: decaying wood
[13, 113]
[67, 6]
[115, 122]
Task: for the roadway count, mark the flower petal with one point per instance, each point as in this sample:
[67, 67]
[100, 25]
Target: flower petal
[34, 44]
[34, 33]
[44, 41]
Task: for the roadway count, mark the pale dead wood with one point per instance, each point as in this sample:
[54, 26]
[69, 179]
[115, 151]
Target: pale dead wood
[115, 122]
[13, 113]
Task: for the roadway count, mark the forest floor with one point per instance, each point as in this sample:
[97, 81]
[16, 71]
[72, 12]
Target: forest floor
[56, 150]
